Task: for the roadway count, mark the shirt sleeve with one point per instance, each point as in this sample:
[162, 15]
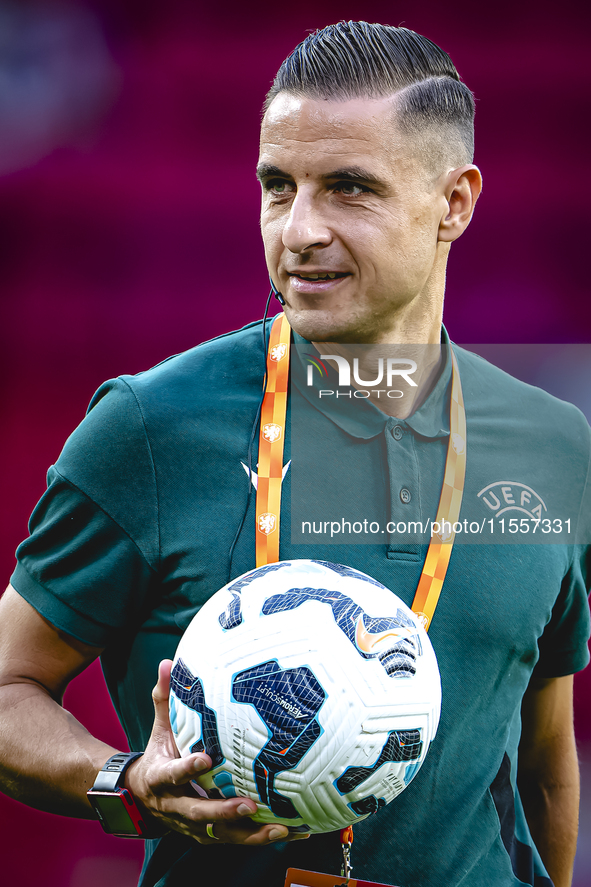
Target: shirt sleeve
[90, 564]
[563, 645]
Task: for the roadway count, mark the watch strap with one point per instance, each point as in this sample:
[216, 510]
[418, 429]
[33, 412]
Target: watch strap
[124, 820]
[110, 778]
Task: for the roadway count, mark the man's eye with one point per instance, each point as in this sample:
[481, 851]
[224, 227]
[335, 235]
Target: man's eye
[351, 189]
[277, 186]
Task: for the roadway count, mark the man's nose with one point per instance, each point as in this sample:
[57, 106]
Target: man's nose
[306, 226]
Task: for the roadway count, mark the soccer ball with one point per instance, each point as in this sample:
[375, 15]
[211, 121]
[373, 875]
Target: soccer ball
[314, 690]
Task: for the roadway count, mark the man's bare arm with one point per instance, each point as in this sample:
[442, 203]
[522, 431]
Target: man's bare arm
[49, 760]
[548, 774]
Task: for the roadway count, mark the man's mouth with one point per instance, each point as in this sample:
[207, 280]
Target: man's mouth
[323, 275]
[316, 284]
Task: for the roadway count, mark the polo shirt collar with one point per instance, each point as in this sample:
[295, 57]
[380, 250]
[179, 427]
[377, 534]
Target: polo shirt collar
[431, 420]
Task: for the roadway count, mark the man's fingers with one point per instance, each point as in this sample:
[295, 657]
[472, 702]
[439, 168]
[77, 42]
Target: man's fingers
[204, 810]
[245, 832]
[160, 780]
[182, 770]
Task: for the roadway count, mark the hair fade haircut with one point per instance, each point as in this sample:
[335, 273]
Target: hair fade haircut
[361, 60]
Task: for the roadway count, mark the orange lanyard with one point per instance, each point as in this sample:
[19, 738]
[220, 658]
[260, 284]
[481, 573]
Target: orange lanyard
[271, 440]
[270, 474]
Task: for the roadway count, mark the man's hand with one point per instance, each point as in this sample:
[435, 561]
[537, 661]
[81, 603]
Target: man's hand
[48, 760]
[160, 782]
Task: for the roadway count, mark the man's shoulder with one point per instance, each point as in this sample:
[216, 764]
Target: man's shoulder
[489, 388]
[210, 390]
[233, 346]
[236, 352]
[217, 368]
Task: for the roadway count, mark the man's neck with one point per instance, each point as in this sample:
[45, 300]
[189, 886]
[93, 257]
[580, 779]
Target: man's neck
[388, 365]
[395, 378]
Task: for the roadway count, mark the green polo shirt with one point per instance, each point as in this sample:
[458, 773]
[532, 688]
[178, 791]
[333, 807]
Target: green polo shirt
[134, 533]
[362, 476]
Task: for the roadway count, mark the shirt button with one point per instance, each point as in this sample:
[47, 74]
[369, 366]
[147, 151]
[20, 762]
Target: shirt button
[405, 495]
[397, 432]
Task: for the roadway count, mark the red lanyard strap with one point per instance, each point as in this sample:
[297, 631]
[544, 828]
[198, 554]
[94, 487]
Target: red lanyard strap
[270, 474]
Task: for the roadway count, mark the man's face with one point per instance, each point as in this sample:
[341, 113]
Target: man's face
[350, 218]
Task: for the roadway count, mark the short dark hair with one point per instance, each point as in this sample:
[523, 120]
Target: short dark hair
[362, 60]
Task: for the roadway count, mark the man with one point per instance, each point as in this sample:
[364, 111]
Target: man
[367, 177]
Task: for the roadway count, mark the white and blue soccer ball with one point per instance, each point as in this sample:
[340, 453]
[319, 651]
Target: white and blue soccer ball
[314, 690]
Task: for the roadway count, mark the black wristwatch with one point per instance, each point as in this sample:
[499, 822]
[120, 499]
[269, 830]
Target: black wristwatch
[113, 803]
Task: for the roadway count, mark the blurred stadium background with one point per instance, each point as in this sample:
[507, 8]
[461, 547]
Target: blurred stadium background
[128, 218]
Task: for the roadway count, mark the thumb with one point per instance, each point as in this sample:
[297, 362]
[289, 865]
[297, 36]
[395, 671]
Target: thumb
[161, 731]
[162, 737]
[161, 691]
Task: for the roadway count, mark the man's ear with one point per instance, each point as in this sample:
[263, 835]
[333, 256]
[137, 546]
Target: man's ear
[462, 189]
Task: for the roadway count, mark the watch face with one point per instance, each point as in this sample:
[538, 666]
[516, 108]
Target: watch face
[112, 813]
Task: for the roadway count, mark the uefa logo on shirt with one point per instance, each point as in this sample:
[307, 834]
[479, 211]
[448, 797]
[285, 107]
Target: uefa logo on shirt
[510, 495]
